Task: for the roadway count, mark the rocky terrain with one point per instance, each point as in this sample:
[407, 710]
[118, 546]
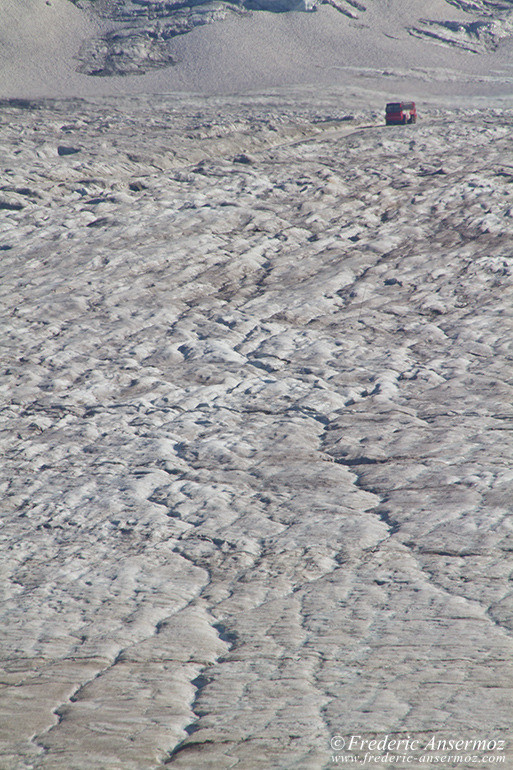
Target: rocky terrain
[379, 48]
[256, 421]
[142, 37]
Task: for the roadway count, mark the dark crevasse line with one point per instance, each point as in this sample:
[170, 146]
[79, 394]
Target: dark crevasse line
[38, 740]
[200, 682]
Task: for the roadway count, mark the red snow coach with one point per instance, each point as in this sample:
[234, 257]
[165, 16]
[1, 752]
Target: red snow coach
[400, 113]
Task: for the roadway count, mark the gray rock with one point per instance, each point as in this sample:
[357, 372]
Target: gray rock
[141, 40]
[66, 150]
[137, 48]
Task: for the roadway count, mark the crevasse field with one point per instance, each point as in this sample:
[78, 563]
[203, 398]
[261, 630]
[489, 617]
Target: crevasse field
[256, 425]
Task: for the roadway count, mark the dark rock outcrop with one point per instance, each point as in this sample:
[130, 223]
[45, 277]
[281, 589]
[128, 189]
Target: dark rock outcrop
[140, 39]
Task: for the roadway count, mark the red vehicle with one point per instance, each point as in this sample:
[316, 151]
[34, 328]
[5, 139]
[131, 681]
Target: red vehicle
[400, 113]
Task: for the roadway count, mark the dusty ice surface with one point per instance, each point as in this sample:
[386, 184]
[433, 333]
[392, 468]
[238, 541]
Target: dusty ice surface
[256, 424]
